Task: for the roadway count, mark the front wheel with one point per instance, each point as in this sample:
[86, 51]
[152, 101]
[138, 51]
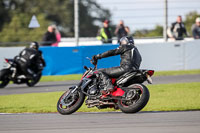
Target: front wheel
[70, 102]
[32, 82]
[137, 97]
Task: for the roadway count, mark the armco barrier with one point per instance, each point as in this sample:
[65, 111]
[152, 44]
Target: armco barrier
[70, 60]
[179, 55]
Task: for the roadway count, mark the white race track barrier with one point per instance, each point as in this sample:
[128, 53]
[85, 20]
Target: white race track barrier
[160, 56]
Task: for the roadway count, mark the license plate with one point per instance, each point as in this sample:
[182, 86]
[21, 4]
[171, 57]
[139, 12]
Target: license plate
[6, 65]
[149, 80]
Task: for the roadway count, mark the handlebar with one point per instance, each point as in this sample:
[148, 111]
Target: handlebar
[92, 62]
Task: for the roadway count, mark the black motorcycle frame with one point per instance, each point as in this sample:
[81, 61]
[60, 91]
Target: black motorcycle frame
[89, 87]
[13, 73]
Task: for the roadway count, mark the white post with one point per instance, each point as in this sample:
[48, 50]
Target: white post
[166, 21]
[76, 21]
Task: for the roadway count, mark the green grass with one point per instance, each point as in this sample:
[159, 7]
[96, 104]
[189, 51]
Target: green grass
[61, 78]
[167, 97]
[174, 97]
[78, 76]
[173, 73]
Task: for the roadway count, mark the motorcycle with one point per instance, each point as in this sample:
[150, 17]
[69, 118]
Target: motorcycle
[13, 73]
[129, 95]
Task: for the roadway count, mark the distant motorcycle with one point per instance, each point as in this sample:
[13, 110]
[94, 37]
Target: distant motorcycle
[129, 95]
[14, 73]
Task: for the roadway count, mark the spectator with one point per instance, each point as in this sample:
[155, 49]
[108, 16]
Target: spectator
[196, 29]
[58, 36]
[49, 37]
[178, 29]
[121, 30]
[105, 33]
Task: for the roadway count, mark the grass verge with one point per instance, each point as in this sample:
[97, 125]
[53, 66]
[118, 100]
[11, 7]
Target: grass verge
[78, 76]
[61, 78]
[167, 97]
[173, 73]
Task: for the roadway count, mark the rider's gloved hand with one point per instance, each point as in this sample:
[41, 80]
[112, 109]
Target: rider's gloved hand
[95, 59]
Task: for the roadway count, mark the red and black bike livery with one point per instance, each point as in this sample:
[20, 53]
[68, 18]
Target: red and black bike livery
[129, 95]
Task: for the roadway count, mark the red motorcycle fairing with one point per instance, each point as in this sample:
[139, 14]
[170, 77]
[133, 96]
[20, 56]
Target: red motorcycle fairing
[117, 92]
[113, 80]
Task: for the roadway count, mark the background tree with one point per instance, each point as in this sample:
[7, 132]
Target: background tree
[157, 32]
[4, 14]
[190, 20]
[14, 25]
[17, 30]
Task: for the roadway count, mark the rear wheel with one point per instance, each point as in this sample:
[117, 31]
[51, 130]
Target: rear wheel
[136, 98]
[4, 80]
[70, 102]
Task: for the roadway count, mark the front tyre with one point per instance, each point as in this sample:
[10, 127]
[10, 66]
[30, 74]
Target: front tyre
[137, 97]
[32, 82]
[70, 102]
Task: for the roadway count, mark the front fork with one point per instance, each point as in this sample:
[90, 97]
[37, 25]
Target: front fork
[80, 87]
[67, 95]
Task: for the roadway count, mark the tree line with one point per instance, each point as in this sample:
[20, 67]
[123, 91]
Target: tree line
[15, 16]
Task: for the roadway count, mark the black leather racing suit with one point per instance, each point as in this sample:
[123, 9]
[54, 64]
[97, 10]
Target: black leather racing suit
[130, 59]
[29, 61]
[178, 30]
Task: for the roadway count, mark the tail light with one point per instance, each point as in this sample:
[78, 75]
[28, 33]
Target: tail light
[150, 72]
[6, 60]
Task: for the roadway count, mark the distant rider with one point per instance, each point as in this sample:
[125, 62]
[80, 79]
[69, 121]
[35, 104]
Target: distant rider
[30, 60]
[130, 60]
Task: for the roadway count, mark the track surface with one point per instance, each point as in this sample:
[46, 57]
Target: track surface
[63, 85]
[112, 122]
[144, 122]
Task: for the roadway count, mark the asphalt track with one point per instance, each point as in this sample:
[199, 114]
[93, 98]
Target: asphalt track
[107, 122]
[114, 122]
[63, 85]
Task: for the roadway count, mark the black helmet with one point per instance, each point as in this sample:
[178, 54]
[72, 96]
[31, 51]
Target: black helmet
[34, 45]
[126, 40]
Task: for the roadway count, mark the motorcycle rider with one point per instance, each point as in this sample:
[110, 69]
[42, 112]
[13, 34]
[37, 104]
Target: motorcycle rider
[30, 60]
[130, 60]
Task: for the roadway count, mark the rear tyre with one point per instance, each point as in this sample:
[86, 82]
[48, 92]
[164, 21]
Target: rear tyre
[3, 83]
[70, 102]
[138, 96]
[4, 80]
[32, 82]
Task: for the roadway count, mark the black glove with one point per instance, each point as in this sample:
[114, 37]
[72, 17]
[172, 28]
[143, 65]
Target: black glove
[95, 59]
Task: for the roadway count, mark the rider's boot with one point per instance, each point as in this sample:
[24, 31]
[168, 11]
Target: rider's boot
[30, 74]
[107, 84]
